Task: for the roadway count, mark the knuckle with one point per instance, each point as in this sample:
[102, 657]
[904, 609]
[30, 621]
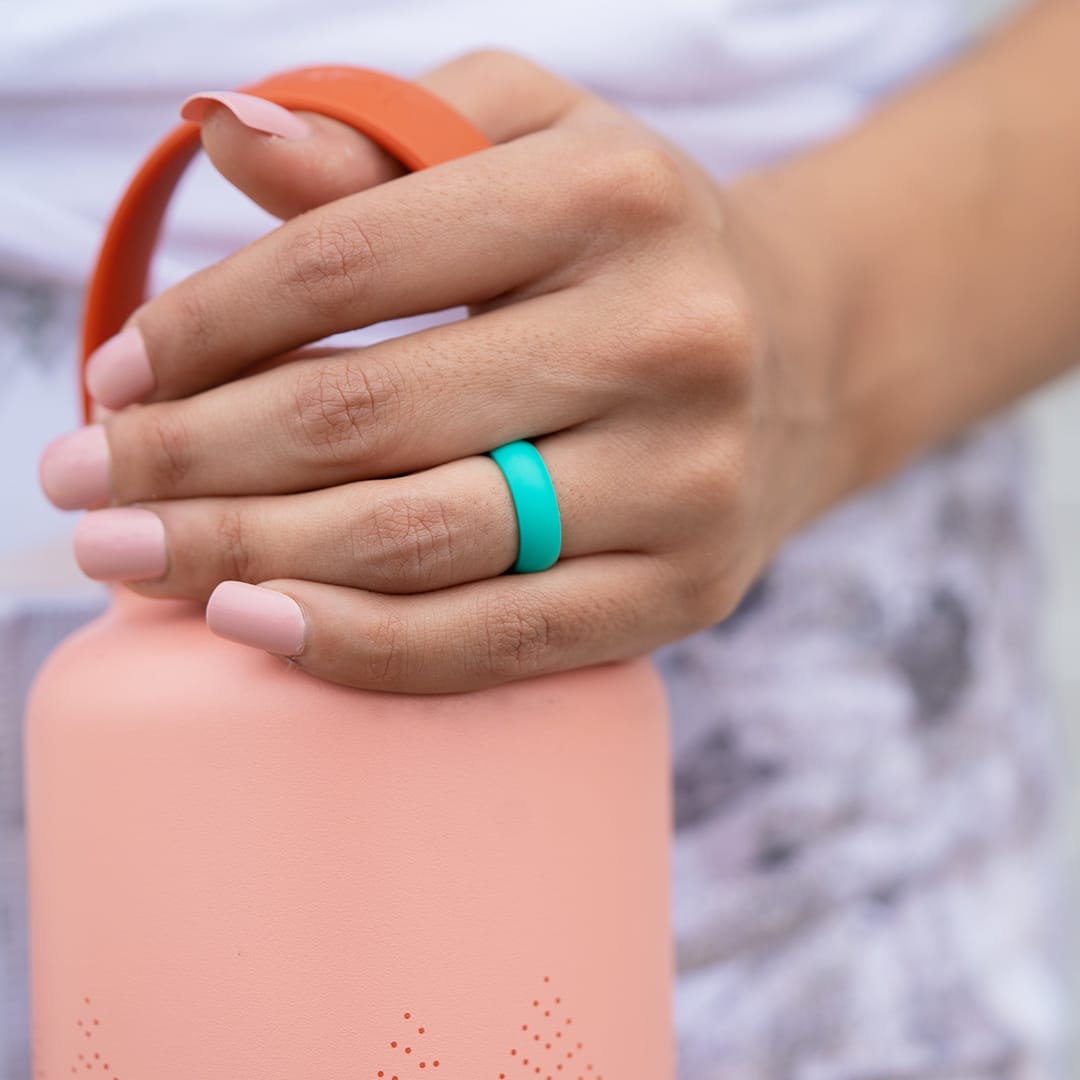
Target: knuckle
[638, 184]
[704, 336]
[413, 539]
[732, 473]
[329, 262]
[166, 453]
[495, 61]
[189, 305]
[703, 483]
[235, 546]
[344, 404]
[385, 659]
[517, 638]
[687, 582]
[739, 337]
[704, 591]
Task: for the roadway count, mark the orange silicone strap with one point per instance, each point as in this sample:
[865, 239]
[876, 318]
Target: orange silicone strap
[409, 122]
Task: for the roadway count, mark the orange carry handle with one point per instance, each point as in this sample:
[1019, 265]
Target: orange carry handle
[407, 121]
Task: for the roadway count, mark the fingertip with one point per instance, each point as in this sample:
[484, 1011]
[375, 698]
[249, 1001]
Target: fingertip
[285, 162]
[118, 372]
[255, 113]
[257, 616]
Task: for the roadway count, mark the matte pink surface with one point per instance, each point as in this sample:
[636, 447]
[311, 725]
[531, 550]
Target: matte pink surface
[74, 469]
[252, 615]
[121, 544]
[118, 372]
[240, 873]
[251, 111]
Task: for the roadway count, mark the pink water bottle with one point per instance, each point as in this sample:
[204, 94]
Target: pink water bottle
[238, 872]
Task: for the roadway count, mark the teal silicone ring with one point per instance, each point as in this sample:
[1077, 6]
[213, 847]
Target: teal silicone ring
[537, 508]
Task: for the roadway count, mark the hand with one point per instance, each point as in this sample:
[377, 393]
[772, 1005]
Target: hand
[624, 318]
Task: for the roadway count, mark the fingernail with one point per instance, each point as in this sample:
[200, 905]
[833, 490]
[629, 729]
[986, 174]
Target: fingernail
[119, 371]
[253, 112]
[121, 544]
[74, 469]
[252, 615]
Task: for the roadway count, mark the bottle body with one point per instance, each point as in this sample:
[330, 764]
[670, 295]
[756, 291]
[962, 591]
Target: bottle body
[239, 871]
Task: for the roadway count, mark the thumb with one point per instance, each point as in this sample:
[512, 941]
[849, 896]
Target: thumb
[289, 162]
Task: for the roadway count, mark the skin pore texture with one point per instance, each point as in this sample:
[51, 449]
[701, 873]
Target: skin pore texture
[693, 361]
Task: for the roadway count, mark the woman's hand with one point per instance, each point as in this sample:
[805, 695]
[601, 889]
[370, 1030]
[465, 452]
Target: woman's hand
[625, 318]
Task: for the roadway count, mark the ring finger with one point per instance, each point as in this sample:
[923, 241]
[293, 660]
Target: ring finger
[441, 527]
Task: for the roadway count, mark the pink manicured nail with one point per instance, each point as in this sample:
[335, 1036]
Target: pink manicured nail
[258, 617]
[119, 371]
[253, 112]
[121, 544]
[74, 469]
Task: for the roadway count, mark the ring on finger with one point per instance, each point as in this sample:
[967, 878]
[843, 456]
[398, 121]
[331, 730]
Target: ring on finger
[536, 506]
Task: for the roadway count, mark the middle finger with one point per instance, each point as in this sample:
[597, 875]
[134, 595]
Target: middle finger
[388, 409]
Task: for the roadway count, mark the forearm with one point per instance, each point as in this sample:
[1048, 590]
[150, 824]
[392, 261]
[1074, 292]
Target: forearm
[931, 259]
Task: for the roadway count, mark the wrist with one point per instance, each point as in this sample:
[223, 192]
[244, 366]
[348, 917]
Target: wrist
[797, 272]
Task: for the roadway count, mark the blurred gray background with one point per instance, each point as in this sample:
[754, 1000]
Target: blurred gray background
[1055, 439]
[1056, 446]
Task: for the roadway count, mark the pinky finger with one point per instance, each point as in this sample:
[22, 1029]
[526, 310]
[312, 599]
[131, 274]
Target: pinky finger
[583, 611]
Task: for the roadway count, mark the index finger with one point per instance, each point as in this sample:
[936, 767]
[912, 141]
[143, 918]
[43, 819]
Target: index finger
[462, 233]
[146, 361]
